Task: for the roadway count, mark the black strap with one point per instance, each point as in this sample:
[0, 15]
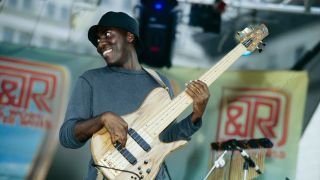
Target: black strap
[156, 77]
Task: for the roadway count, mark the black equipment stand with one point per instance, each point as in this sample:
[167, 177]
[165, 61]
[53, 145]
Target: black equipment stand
[239, 145]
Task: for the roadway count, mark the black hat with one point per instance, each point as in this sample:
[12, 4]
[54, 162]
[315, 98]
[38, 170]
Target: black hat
[118, 20]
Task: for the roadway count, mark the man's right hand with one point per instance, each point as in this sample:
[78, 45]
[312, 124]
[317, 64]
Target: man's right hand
[116, 126]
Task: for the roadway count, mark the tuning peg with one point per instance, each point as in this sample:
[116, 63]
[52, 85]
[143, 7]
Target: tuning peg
[259, 49]
[263, 44]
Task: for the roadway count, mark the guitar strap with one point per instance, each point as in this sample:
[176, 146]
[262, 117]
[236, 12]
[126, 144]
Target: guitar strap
[156, 77]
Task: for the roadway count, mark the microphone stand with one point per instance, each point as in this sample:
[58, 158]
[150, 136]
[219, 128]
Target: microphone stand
[234, 144]
[220, 162]
[245, 169]
[248, 162]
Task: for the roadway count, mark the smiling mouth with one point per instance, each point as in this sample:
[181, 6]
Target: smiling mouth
[106, 52]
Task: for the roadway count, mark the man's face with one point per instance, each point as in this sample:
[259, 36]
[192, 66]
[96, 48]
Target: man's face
[112, 45]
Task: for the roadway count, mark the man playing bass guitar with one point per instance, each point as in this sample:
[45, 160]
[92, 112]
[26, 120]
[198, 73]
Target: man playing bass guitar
[101, 96]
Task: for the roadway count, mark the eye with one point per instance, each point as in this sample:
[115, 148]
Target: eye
[105, 35]
[108, 34]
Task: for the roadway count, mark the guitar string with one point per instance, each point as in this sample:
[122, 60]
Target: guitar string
[206, 78]
[172, 106]
[184, 98]
[118, 157]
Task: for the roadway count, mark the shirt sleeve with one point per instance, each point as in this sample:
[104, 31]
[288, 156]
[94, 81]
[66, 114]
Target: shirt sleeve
[79, 109]
[182, 130]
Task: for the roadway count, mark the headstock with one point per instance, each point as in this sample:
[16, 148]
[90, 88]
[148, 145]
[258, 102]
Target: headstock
[251, 37]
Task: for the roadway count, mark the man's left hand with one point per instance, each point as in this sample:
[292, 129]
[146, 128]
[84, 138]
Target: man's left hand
[200, 94]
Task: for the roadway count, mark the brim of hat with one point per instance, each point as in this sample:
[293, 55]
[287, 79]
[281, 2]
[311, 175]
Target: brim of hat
[92, 36]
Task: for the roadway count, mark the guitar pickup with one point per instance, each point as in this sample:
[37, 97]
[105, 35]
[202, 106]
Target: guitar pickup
[136, 137]
[125, 153]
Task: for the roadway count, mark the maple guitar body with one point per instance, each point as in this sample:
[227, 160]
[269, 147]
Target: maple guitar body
[147, 163]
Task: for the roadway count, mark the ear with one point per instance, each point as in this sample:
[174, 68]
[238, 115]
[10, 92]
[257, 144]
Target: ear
[130, 37]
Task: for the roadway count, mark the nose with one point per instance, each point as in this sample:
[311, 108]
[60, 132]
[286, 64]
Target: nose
[102, 40]
[102, 43]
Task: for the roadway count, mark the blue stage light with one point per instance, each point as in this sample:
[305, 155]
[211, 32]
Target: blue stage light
[158, 6]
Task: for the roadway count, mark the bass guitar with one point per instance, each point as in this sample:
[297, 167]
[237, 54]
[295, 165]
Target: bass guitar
[144, 152]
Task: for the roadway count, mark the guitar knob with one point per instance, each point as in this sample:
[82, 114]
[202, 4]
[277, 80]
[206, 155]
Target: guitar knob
[148, 170]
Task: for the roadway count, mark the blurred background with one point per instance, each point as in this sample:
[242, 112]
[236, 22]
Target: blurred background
[44, 48]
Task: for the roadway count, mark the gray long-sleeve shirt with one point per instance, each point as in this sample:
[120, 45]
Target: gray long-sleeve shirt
[120, 91]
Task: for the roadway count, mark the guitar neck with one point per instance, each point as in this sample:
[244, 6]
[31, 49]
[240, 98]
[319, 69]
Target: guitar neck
[183, 100]
[213, 73]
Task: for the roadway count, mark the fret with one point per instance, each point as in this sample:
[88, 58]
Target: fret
[183, 100]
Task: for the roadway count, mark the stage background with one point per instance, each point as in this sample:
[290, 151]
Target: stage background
[243, 104]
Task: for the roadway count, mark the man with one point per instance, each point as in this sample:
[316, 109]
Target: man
[102, 95]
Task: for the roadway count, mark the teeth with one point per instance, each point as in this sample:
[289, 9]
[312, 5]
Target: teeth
[107, 51]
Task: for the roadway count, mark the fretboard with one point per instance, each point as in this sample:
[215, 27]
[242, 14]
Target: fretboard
[170, 112]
